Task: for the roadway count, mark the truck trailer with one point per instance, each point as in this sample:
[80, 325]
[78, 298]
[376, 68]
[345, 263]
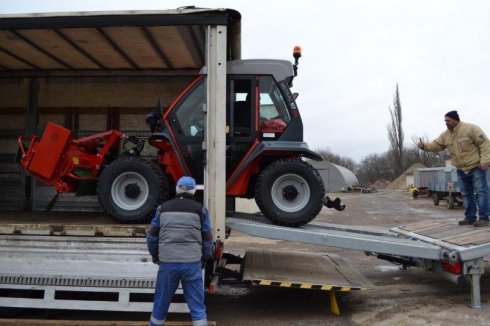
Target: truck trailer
[102, 51]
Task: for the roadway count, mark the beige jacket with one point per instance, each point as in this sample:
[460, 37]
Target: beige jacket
[467, 143]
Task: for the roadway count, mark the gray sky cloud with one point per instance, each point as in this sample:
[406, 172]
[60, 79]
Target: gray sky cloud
[354, 54]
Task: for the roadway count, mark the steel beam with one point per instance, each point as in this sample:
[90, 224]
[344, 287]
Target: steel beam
[215, 136]
[330, 237]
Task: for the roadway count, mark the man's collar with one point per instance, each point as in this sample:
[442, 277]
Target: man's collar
[457, 126]
[185, 195]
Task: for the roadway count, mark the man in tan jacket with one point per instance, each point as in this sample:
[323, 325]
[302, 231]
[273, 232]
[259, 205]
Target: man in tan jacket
[470, 154]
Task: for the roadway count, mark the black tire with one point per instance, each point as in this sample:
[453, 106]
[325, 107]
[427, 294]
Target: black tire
[290, 192]
[435, 199]
[415, 194]
[450, 201]
[460, 201]
[130, 189]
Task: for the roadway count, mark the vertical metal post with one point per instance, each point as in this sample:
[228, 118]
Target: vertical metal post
[31, 119]
[215, 138]
[32, 109]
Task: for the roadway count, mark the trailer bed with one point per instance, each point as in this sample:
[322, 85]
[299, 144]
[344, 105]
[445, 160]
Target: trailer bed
[112, 258]
[466, 241]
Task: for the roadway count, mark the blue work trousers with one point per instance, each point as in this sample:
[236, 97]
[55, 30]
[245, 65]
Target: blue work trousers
[168, 277]
[474, 189]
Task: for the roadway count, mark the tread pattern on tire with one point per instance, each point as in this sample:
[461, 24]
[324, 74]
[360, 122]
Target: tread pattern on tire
[450, 201]
[435, 199]
[260, 184]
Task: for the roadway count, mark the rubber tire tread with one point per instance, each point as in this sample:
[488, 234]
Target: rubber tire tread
[266, 180]
[450, 202]
[435, 199]
[157, 182]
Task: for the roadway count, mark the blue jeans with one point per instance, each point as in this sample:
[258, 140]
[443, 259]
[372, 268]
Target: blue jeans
[168, 277]
[474, 189]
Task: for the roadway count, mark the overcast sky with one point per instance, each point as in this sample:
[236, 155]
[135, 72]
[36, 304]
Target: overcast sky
[354, 54]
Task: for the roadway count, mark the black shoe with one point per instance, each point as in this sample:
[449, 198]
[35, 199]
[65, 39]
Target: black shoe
[466, 222]
[481, 223]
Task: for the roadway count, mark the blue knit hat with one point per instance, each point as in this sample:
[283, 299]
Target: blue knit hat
[453, 115]
[186, 184]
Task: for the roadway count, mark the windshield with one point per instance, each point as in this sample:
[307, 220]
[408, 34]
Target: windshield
[190, 114]
[272, 103]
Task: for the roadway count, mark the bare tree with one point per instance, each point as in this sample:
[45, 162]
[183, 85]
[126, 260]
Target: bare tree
[374, 167]
[396, 137]
[429, 159]
[331, 157]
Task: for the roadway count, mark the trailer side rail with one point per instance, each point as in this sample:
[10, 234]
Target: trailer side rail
[80, 273]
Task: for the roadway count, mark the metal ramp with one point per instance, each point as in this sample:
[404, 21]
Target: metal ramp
[302, 270]
[80, 273]
[428, 244]
[295, 270]
[340, 236]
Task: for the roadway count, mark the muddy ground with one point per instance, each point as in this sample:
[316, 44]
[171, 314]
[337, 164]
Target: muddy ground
[400, 297]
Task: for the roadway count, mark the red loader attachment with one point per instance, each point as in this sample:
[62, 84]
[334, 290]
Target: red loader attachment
[60, 161]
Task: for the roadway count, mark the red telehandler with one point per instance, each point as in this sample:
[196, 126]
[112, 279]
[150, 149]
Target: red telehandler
[264, 156]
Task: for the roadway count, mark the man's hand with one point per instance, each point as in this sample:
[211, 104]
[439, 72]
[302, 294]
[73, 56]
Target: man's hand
[484, 166]
[420, 144]
[206, 259]
[155, 260]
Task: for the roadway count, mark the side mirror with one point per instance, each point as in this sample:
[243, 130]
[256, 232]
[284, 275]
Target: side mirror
[154, 116]
[160, 105]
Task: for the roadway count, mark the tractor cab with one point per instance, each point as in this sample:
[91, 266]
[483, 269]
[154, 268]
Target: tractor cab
[264, 140]
[260, 107]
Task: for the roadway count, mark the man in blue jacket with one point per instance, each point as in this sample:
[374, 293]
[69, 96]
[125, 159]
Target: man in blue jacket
[179, 239]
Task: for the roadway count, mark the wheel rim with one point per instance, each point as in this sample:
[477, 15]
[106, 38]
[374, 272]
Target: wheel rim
[130, 191]
[290, 193]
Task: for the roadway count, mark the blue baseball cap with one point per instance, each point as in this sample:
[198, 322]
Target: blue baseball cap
[186, 184]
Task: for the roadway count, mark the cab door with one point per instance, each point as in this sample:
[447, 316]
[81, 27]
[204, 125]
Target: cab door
[241, 119]
[187, 122]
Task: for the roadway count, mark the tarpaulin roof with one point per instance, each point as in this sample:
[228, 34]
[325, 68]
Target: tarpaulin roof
[162, 42]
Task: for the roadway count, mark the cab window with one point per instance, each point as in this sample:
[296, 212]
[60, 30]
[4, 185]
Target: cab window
[272, 104]
[190, 114]
[242, 106]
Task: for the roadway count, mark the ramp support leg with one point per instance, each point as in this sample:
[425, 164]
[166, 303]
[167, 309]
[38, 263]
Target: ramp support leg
[475, 291]
[475, 269]
[334, 307]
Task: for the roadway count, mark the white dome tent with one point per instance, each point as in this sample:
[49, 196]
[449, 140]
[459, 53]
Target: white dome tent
[335, 177]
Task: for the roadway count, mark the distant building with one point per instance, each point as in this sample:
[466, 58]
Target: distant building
[409, 179]
[335, 177]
